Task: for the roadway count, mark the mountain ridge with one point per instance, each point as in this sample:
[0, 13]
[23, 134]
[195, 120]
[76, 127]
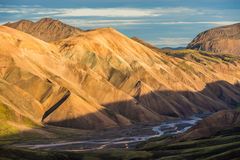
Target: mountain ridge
[139, 84]
[47, 29]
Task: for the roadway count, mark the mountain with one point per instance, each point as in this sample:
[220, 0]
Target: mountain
[213, 124]
[103, 79]
[224, 39]
[46, 29]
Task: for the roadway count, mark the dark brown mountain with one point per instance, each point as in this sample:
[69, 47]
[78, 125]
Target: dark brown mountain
[46, 29]
[224, 39]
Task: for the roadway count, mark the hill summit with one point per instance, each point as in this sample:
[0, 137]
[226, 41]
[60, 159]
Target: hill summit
[46, 29]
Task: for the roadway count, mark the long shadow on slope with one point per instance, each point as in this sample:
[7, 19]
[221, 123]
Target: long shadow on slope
[56, 105]
[220, 92]
[160, 105]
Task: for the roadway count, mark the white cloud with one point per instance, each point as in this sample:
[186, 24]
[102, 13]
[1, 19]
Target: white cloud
[220, 23]
[98, 12]
[108, 12]
[121, 12]
[171, 42]
[201, 22]
[9, 10]
[116, 17]
[103, 23]
[129, 22]
[17, 6]
[28, 10]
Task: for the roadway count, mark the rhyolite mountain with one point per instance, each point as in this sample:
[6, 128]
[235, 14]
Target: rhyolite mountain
[225, 39]
[46, 29]
[101, 78]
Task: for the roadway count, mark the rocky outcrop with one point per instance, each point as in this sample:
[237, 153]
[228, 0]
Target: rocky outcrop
[224, 39]
[46, 29]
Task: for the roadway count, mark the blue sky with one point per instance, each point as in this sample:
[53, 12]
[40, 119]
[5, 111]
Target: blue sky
[163, 23]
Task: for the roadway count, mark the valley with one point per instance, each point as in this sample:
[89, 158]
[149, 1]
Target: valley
[223, 145]
[132, 136]
[69, 93]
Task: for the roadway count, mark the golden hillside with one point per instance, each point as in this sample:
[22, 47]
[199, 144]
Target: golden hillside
[101, 79]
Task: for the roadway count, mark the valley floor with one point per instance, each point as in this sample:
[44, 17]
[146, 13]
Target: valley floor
[127, 137]
[223, 146]
[144, 142]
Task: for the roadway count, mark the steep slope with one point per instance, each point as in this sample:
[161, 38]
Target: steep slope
[101, 78]
[224, 39]
[30, 85]
[155, 80]
[46, 29]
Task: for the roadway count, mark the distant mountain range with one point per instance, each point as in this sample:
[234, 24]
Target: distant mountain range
[174, 48]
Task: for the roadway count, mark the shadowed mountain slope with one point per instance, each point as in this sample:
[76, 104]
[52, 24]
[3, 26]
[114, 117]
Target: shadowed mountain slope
[211, 125]
[220, 102]
[224, 39]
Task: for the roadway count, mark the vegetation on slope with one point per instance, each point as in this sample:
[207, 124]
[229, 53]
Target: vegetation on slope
[201, 56]
[9, 119]
[223, 145]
